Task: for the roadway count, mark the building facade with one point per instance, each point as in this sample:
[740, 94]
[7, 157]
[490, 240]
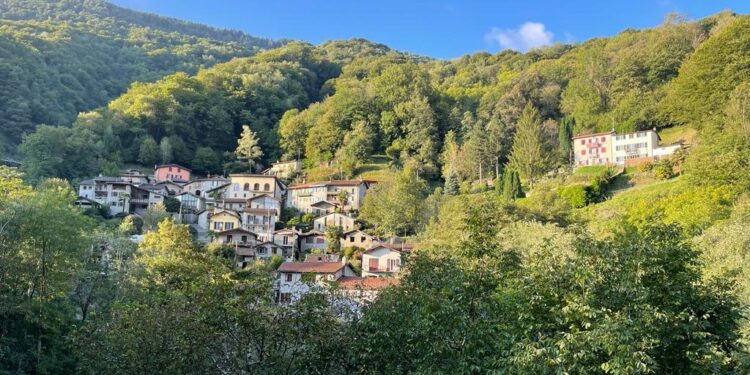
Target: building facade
[171, 172]
[304, 196]
[610, 148]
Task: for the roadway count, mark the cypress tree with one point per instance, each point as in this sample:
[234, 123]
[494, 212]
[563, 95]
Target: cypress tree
[564, 136]
[511, 185]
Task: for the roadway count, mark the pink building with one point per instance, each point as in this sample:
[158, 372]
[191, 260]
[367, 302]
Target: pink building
[593, 149]
[171, 172]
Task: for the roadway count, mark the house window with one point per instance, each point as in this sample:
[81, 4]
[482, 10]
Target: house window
[228, 226]
[289, 277]
[604, 149]
[583, 141]
[229, 238]
[351, 238]
[309, 240]
[247, 187]
[583, 152]
[319, 240]
[244, 239]
[256, 187]
[170, 169]
[373, 264]
[362, 239]
[266, 187]
[285, 240]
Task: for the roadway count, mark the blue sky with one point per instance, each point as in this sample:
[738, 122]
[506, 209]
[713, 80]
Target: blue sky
[442, 29]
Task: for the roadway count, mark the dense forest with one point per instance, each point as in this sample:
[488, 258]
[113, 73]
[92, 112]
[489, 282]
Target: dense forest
[59, 58]
[522, 265]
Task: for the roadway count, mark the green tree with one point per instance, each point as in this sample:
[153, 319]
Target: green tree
[565, 137]
[248, 148]
[149, 152]
[154, 215]
[165, 148]
[395, 207]
[528, 155]
[206, 160]
[333, 238]
[511, 185]
[451, 185]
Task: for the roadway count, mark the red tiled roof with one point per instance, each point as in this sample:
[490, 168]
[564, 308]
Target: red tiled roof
[366, 283]
[332, 183]
[593, 134]
[311, 267]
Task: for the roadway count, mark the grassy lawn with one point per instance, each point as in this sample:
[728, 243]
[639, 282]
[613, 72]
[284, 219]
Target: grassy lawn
[677, 133]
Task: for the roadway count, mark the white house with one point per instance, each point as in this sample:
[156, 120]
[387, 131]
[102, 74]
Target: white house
[334, 219]
[381, 260]
[284, 169]
[202, 186]
[266, 250]
[297, 278]
[358, 238]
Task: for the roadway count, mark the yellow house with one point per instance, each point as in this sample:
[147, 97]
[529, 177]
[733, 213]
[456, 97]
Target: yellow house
[223, 220]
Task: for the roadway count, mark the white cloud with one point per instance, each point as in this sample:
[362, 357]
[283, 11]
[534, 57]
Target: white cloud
[528, 35]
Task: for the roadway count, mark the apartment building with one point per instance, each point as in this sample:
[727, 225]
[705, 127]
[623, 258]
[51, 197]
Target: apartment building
[304, 196]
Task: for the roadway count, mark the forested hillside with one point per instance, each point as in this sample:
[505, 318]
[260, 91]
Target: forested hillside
[342, 102]
[518, 262]
[59, 58]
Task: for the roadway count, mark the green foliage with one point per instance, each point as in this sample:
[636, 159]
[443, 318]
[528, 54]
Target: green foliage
[333, 238]
[396, 207]
[172, 205]
[576, 195]
[451, 185]
[663, 169]
[149, 152]
[488, 309]
[529, 156]
[511, 185]
[67, 57]
[131, 225]
[248, 148]
[206, 161]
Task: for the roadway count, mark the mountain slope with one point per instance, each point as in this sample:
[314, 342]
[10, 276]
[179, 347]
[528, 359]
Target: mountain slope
[59, 58]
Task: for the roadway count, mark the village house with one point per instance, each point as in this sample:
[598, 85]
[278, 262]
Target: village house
[303, 196]
[201, 186]
[172, 187]
[222, 220]
[120, 196]
[190, 202]
[381, 260]
[286, 237]
[261, 221]
[237, 237]
[171, 172]
[135, 177]
[610, 148]
[266, 250]
[284, 169]
[364, 290]
[297, 278]
[357, 238]
[346, 223]
[244, 186]
[312, 240]
[323, 208]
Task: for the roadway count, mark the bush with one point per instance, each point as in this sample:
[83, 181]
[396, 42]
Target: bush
[576, 195]
[663, 169]
[644, 166]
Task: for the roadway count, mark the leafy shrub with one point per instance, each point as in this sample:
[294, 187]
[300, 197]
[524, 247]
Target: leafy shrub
[576, 195]
[663, 169]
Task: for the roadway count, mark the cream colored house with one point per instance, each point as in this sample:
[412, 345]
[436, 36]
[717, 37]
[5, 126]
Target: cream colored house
[246, 186]
[312, 240]
[357, 238]
[610, 148]
[334, 219]
[284, 169]
[222, 220]
[381, 260]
